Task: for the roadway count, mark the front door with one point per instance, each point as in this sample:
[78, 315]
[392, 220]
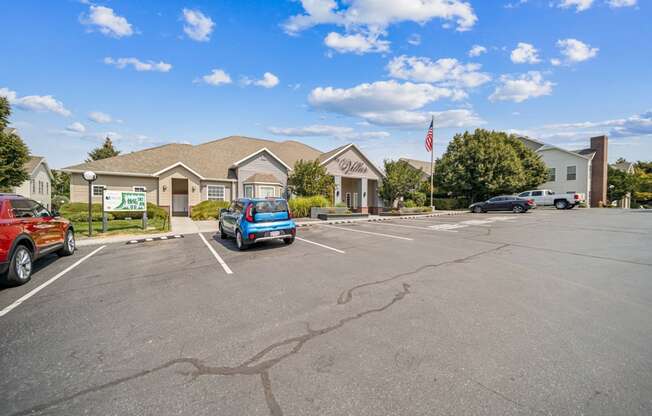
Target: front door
[180, 204]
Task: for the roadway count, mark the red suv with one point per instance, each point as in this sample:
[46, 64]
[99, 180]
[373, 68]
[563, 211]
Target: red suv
[29, 231]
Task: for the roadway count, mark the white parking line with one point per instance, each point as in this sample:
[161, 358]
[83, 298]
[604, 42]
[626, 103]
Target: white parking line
[367, 232]
[226, 268]
[399, 225]
[320, 245]
[46, 284]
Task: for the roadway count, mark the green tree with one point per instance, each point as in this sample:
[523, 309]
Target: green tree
[103, 152]
[620, 184]
[13, 152]
[60, 183]
[485, 163]
[401, 180]
[643, 173]
[310, 178]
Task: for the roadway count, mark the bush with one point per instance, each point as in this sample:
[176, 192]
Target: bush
[410, 204]
[448, 204]
[83, 216]
[208, 210]
[59, 200]
[79, 211]
[300, 206]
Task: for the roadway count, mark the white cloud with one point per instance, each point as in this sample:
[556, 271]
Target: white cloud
[197, 25]
[515, 4]
[100, 117]
[579, 5]
[379, 14]
[633, 126]
[39, 103]
[445, 71]
[576, 51]
[322, 130]
[477, 50]
[525, 53]
[76, 127]
[269, 80]
[216, 77]
[107, 22]
[521, 88]
[138, 64]
[414, 39]
[555, 62]
[356, 43]
[614, 4]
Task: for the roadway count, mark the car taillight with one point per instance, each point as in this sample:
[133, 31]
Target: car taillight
[249, 213]
[577, 197]
[530, 201]
[252, 236]
[293, 231]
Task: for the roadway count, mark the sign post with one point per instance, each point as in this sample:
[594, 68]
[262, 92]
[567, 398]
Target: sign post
[104, 218]
[90, 176]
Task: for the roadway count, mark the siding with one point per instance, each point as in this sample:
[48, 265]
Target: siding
[560, 160]
[79, 187]
[226, 185]
[261, 163]
[179, 172]
[25, 189]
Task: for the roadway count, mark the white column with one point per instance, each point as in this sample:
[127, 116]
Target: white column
[363, 192]
[338, 188]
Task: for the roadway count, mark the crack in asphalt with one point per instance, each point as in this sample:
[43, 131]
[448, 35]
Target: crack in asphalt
[251, 366]
[347, 295]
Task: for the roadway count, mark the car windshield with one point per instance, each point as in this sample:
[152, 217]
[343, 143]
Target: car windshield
[272, 205]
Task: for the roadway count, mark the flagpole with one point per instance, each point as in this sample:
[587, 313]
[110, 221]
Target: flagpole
[432, 165]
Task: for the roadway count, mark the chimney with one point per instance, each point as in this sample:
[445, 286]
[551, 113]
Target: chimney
[599, 170]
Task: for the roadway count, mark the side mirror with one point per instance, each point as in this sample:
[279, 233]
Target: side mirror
[223, 210]
[55, 213]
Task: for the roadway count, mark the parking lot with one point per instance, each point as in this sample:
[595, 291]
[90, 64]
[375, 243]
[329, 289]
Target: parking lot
[540, 313]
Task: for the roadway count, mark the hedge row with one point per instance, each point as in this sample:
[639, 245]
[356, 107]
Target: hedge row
[78, 211]
[300, 206]
[208, 210]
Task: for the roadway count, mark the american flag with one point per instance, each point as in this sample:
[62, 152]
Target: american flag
[429, 136]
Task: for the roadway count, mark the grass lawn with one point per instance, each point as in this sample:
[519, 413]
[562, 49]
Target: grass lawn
[116, 227]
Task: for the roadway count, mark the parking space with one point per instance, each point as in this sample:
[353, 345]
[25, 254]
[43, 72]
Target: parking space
[510, 314]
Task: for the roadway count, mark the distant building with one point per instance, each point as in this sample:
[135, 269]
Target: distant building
[583, 171]
[39, 185]
[419, 165]
[627, 167]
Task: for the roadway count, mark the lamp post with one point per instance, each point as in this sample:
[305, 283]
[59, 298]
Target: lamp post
[90, 176]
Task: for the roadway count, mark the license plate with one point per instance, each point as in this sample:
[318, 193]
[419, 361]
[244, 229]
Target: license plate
[274, 233]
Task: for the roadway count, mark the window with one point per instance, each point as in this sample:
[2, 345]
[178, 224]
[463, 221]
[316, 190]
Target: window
[348, 199]
[97, 190]
[524, 194]
[139, 189]
[47, 188]
[537, 193]
[39, 210]
[22, 208]
[249, 191]
[40, 187]
[552, 175]
[33, 183]
[571, 173]
[215, 192]
[266, 191]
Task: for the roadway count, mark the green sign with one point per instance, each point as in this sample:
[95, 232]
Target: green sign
[125, 201]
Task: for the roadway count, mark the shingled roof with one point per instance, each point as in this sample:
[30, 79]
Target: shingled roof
[210, 160]
[418, 164]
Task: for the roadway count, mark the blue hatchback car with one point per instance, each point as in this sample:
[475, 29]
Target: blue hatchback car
[250, 220]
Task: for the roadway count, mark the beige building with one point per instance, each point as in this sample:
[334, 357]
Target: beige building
[39, 185]
[180, 176]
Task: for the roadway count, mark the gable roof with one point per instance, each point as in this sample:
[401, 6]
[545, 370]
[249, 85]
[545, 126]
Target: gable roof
[262, 178]
[626, 167]
[539, 146]
[328, 156]
[418, 164]
[211, 160]
[34, 162]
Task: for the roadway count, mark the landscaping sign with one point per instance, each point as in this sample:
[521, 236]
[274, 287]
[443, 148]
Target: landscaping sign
[124, 201]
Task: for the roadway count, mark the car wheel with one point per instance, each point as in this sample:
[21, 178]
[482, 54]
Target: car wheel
[477, 210]
[517, 209]
[68, 244]
[288, 240]
[223, 235]
[239, 241]
[561, 204]
[20, 266]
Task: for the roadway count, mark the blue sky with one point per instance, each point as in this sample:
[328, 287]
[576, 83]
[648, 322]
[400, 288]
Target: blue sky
[326, 72]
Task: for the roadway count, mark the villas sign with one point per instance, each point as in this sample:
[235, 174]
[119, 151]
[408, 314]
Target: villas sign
[349, 166]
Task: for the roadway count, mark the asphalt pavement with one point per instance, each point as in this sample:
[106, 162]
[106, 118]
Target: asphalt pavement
[544, 313]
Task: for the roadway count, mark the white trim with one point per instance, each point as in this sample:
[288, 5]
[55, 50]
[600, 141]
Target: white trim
[93, 190]
[263, 183]
[273, 188]
[551, 147]
[215, 186]
[244, 190]
[366, 159]
[264, 149]
[47, 168]
[183, 165]
[140, 175]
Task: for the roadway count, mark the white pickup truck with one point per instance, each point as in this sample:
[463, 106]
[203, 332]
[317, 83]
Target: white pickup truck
[544, 197]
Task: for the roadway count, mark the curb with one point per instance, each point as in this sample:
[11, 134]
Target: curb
[147, 240]
[402, 217]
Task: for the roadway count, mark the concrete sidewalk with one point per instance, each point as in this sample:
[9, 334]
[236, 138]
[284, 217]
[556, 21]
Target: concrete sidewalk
[186, 226]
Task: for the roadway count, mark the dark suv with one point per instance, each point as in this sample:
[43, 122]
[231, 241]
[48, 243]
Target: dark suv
[29, 231]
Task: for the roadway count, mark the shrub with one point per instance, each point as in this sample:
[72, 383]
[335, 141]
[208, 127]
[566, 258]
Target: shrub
[80, 210]
[300, 206]
[451, 203]
[410, 204]
[59, 200]
[208, 210]
[83, 216]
